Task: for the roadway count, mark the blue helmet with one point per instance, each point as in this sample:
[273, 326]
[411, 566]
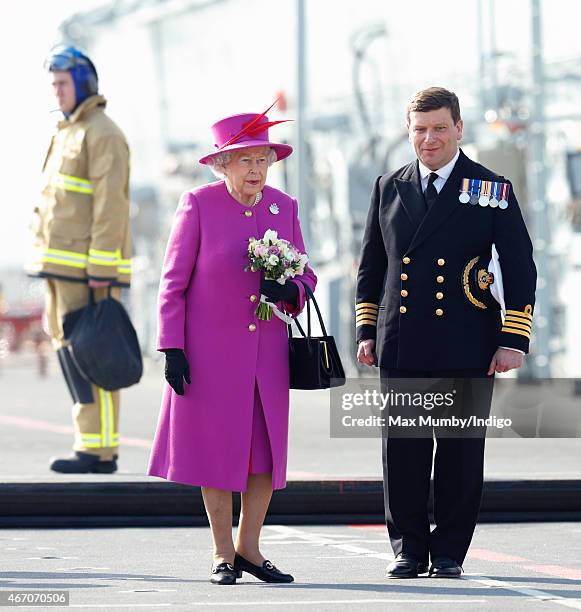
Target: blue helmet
[82, 69]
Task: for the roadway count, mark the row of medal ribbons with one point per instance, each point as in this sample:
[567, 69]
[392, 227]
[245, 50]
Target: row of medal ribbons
[485, 193]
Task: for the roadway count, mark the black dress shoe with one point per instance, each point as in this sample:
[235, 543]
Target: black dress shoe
[406, 566]
[223, 573]
[444, 567]
[267, 572]
[84, 463]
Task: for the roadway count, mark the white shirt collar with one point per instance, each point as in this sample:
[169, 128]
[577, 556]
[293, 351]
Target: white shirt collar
[444, 172]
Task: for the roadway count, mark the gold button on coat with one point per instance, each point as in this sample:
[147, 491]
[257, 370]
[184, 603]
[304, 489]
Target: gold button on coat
[248, 213]
[439, 312]
[403, 276]
[440, 279]
[404, 293]
[403, 309]
[252, 327]
[253, 298]
[439, 295]
[441, 261]
[406, 260]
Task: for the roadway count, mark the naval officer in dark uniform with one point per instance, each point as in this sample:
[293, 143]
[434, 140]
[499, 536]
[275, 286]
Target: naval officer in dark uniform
[424, 310]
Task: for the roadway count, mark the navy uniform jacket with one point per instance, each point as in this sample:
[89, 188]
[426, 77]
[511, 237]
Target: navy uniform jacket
[411, 294]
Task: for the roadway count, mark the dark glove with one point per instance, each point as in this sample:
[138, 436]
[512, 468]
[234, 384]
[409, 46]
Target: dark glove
[275, 292]
[176, 369]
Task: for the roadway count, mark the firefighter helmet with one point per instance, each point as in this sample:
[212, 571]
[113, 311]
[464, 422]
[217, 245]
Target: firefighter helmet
[82, 69]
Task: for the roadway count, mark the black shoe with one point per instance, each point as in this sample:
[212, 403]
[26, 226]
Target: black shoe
[444, 567]
[266, 572]
[406, 566]
[84, 463]
[223, 573]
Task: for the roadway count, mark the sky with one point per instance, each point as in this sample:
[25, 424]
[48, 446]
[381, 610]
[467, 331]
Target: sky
[433, 43]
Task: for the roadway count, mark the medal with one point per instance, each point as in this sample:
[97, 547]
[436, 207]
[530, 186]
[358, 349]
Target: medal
[464, 196]
[483, 200]
[503, 203]
[474, 191]
[493, 200]
[274, 208]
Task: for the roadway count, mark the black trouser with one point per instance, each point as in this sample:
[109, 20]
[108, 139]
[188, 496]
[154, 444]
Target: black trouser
[458, 475]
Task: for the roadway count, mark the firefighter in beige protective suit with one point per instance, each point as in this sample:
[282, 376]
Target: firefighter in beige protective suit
[82, 241]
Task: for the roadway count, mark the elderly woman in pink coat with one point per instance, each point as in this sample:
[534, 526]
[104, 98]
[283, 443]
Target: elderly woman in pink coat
[226, 428]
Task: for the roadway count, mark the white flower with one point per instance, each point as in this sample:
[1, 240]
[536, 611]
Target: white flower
[273, 260]
[270, 235]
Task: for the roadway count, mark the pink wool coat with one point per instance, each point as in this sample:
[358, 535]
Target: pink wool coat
[206, 307]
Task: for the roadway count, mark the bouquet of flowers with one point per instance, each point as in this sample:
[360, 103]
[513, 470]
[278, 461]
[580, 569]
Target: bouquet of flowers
[278, 259]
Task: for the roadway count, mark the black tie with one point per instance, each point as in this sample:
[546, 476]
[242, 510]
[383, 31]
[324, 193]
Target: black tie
[431, 192]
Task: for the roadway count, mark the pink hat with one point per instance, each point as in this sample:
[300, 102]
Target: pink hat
[244, 131]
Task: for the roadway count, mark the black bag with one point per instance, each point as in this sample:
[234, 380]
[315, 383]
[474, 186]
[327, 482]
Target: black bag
[104, 344]
[314, 362]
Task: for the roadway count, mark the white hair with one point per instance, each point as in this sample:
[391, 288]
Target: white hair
[219, 161]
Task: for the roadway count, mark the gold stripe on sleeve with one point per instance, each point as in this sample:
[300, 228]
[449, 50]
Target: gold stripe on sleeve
[520, 313]
[517, 324]
[366, 322]
[516, 331]
[364, 311]
[520, 320]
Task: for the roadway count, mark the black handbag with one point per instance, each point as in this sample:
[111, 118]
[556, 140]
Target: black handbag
[103, 343]
[314, 362]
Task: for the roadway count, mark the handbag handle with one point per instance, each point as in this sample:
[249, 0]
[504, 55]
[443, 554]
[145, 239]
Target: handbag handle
[300, 327]
[92, 294]
[310, 296]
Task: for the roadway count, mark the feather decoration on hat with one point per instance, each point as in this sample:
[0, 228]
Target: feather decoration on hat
[253, 127]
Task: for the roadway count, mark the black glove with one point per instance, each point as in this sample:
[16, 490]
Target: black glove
[176, 369]
[275, 292]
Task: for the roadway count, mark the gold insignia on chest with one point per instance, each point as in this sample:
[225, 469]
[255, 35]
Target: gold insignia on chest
[485, 279]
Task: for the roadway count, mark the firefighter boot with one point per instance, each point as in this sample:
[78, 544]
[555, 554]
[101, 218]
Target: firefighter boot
[84, 463]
